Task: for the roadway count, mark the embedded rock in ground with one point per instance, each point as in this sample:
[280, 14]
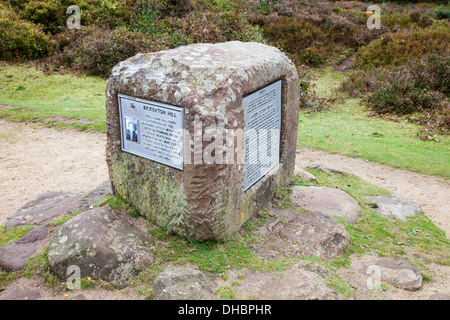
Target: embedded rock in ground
[20, 294]
[297, 284]
[306, 235]
[94, 196]
[102, 245]
[304, 175]
[51, 205]
[392, 205]
[184, 282]
[328, 201]
[398, 273]
[44, 209]
[14, 255]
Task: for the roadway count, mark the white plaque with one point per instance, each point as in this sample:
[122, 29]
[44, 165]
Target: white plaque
[262, 116]
[152, 130]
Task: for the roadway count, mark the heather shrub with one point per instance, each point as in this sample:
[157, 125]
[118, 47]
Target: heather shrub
[95, 50]
[442, 13]
[419, 86]
[20, 39]
[401, 47]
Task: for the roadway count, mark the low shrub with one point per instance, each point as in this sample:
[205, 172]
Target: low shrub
[95, 50]
[442, 13]
[20, 39]
[400, 47]
[421, 86]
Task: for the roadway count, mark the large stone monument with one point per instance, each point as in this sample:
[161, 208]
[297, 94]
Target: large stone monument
[199, 137]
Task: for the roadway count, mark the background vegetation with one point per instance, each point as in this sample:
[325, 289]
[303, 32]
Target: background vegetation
[400, 71]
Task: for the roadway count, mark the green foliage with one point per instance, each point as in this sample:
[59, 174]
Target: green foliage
[14, 234]
[20, 39]
[38, 266]
[402, 47]
[418, 86]
[101, 49]
[442, 13]
[63, 219]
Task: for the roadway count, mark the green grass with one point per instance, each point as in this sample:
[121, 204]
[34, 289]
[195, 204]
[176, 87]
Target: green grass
[14, 234]
[59, 101]
[347, 130]
[380, 236]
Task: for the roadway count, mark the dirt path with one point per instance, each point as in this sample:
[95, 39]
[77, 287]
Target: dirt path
[432, 193]
[34, 160]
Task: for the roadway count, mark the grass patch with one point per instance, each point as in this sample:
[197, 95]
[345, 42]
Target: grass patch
[14, 234]
[39, 266]
[64, 218]
[59, 101]
[347, 130]
[385, 237]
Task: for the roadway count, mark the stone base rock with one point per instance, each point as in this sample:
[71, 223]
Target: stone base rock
[304, 175]
[296, 283]
[44, 209]
[398, 273]
[14, 255]
[20, 294]
[184, 282]
[102, 245]
[393, 205]
[328, 201]
[52, 205]
[306, 235]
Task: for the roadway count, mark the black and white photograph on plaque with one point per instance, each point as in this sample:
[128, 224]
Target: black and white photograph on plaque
[132, 129]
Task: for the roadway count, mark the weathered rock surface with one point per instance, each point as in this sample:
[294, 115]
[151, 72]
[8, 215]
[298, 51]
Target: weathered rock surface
[14, 255]
[102, 245]
[398, 273]
[393, 205]
[308, 234]
[304, 175]
[296, 283]
[204, 201]
[328, 201]
[90, 198]
[44, 208]
[52, 205]
[184, 282]
[20, 294]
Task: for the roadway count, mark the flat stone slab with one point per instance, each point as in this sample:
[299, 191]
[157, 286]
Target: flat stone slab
[328, 201]
[14, 255]
[44, 209]
[102, 245]
[308, 234]
[392, 205]
[296, 283]
[21, 294]
[398, 273]
[304, 175]
[51, 205]
[184, 282]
